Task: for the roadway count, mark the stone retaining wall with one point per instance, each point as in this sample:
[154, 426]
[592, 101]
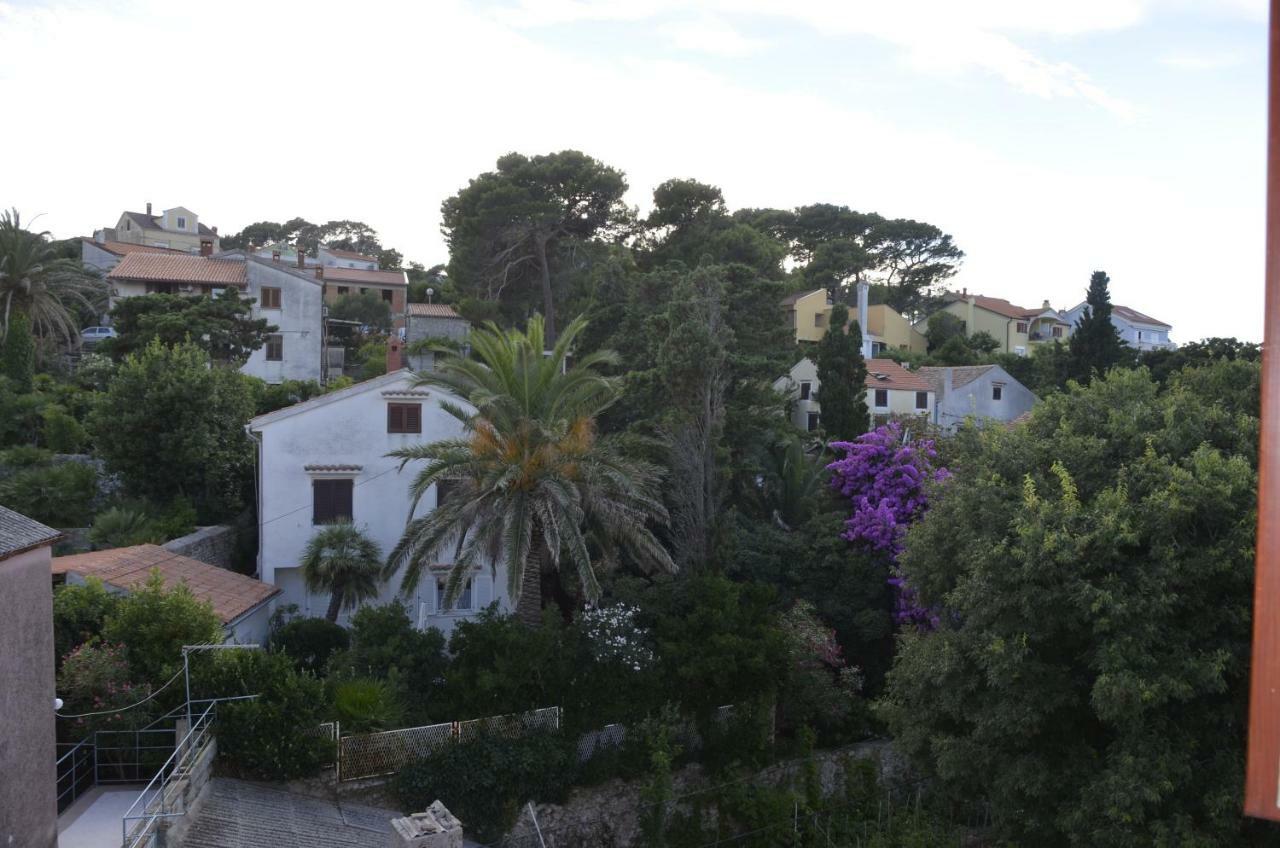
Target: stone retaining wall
[213, 545]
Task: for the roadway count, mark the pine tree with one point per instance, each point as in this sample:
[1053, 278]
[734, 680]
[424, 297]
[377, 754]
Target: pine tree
[842, 377]
[1096, 346]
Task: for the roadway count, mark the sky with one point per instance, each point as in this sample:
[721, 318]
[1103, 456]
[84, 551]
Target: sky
[1051, 139]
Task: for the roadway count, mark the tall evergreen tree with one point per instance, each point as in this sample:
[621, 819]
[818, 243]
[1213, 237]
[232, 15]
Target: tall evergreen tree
[842, 376]
[1096, 345]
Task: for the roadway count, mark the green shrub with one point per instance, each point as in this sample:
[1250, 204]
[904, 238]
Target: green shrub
[385, 644]
[270, 737]
[364, 706]
[120, 527]
[96, 678]
[62, 433]
[500, 666]
[153, 623]
[79, 612]
[372, 357]
[309, 642]
[484, 782]
[59, 495]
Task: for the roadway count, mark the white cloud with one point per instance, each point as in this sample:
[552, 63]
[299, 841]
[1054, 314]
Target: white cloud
[1198, 61]
[711, 35]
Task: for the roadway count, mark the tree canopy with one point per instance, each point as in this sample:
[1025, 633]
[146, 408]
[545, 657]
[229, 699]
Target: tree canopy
[221, 326]
[842, 375]
[1095, 343]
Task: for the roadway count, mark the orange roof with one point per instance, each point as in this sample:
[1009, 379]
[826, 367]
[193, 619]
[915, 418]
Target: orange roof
[231, 595]
[349, 254]
[120, 248]
[360, 275]
[433, 310]
[894, 377]
[179, 268]
[997, 305]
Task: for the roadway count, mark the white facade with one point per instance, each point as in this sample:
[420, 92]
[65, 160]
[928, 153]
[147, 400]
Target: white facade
[1140, 332]
[343, 436]
[884, 398]
[299, 317]
[345, 259]
[979, 392]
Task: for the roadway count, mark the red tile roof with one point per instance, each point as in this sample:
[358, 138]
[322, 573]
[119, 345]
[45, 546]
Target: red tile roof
[790, 300]
[231, 595]
[120, 248]
[433, 310]
[360, 275]
[895, 377]
[179, 268]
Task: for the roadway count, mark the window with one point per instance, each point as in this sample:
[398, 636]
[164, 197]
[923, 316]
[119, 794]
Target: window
[1057, 332]
[819, 319]
[128, 225]
[182, 223]
[270, 298]
[1022, 326]
[386, 295]
[882, 398]
[342, 290]
[811, 421]
[997, 391]
[331, 500]
[806, 389]
[364, 291]
[275, 348]
[922, 400]
[463, 601]
[404, 418]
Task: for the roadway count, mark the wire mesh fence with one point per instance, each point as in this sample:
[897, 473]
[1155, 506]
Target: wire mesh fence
[368, 755]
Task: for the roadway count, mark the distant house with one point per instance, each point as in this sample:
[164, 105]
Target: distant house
[891, 390]
[288, 297]
[433, 321]
[391, 286]
[1139, 331]
[1016, 328]
[883, 328]
[103, 256]
[241, 603]
[983, 392]
[326, 460]
[178, 228]
[28, 792]
[326, 257]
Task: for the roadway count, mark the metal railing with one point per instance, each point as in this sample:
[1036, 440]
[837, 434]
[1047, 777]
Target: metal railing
[131, 756]
[76, 771]
[163, 796]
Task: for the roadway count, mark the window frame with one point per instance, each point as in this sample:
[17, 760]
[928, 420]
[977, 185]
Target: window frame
[333, 515]
[806, 390]
[922, 396]
[1057, 331]
[875, 398]
[468, 593]
[404, 417]
[182, 222]
[387, 295]
[1023, 327]
[812, 421]
[271, 297]
[997, 392]
[274, 343]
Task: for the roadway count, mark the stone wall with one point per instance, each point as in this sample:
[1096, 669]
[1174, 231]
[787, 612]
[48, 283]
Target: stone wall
[214, 545]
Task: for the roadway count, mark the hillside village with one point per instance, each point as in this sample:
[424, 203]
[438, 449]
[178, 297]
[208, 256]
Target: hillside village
[559, 538]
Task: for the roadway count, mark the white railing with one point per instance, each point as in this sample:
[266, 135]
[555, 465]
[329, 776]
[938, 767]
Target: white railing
[163, 797]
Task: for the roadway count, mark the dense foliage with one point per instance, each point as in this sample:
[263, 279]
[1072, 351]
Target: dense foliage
[154, 622]
[223, 326]
[842, 375]
[1092, 571]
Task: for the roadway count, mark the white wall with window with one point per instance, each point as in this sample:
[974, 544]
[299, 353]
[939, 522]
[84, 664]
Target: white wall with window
[326, 459]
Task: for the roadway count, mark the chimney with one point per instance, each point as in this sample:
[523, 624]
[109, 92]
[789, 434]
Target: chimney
[319, 272]
[215, 230]
[275, 256]
[1046, 306]
[302, 257]
[148, 207]
[395, 360]
[206, 248]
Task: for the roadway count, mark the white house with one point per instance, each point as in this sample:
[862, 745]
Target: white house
[891, 390]
[289, 298]
[984, 392]
[1139, 331]
[326, 459]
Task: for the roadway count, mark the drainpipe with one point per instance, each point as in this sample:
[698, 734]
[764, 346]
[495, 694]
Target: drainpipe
[256, 438]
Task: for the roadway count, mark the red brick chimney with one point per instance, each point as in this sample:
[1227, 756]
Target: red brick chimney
[395, 358]
[206, 248]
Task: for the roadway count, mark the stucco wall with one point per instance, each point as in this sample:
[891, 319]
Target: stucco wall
[347, 428]
[299, 318]
[975, 399]
[422, 327]
[28, 798]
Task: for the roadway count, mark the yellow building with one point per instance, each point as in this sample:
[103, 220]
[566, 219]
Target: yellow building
[809, 314]
[1016, 328]
[178, 229]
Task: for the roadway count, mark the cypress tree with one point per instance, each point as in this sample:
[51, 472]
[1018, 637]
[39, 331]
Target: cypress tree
[1095, 345]
[842, 376]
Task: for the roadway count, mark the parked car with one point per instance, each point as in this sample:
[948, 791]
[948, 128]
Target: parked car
[93, 335]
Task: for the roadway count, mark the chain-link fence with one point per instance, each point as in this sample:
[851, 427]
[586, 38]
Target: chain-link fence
[378, 754]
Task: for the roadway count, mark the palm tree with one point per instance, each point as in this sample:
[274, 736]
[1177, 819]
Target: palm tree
[536, 486]
[343, 561]
[40, 289]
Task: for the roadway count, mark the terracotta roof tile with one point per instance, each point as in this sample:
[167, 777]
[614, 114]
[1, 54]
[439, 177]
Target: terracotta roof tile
[895, 377]
[120, 248]
[179, 268]
[433, 310]
[231, 595]
[961, 375]
[360, 275]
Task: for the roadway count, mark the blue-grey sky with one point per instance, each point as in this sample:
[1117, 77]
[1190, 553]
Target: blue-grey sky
[1050, 138]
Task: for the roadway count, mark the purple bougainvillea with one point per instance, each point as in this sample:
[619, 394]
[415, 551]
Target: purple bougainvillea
[886, 477]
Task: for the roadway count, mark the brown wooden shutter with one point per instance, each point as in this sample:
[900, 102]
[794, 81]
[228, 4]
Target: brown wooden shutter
[342, 497]
[413, 418]
[395, 418]
[321, 501]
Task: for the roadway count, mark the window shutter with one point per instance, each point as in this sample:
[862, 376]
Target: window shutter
[413, 418]
[321, 501]
[395, 418]
[482, 590]
[342, 499]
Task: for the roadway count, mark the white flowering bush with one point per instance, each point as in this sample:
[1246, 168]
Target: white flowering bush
[613, 636]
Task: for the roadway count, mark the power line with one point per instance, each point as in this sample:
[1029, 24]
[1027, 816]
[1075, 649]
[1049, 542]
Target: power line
[122, 709]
